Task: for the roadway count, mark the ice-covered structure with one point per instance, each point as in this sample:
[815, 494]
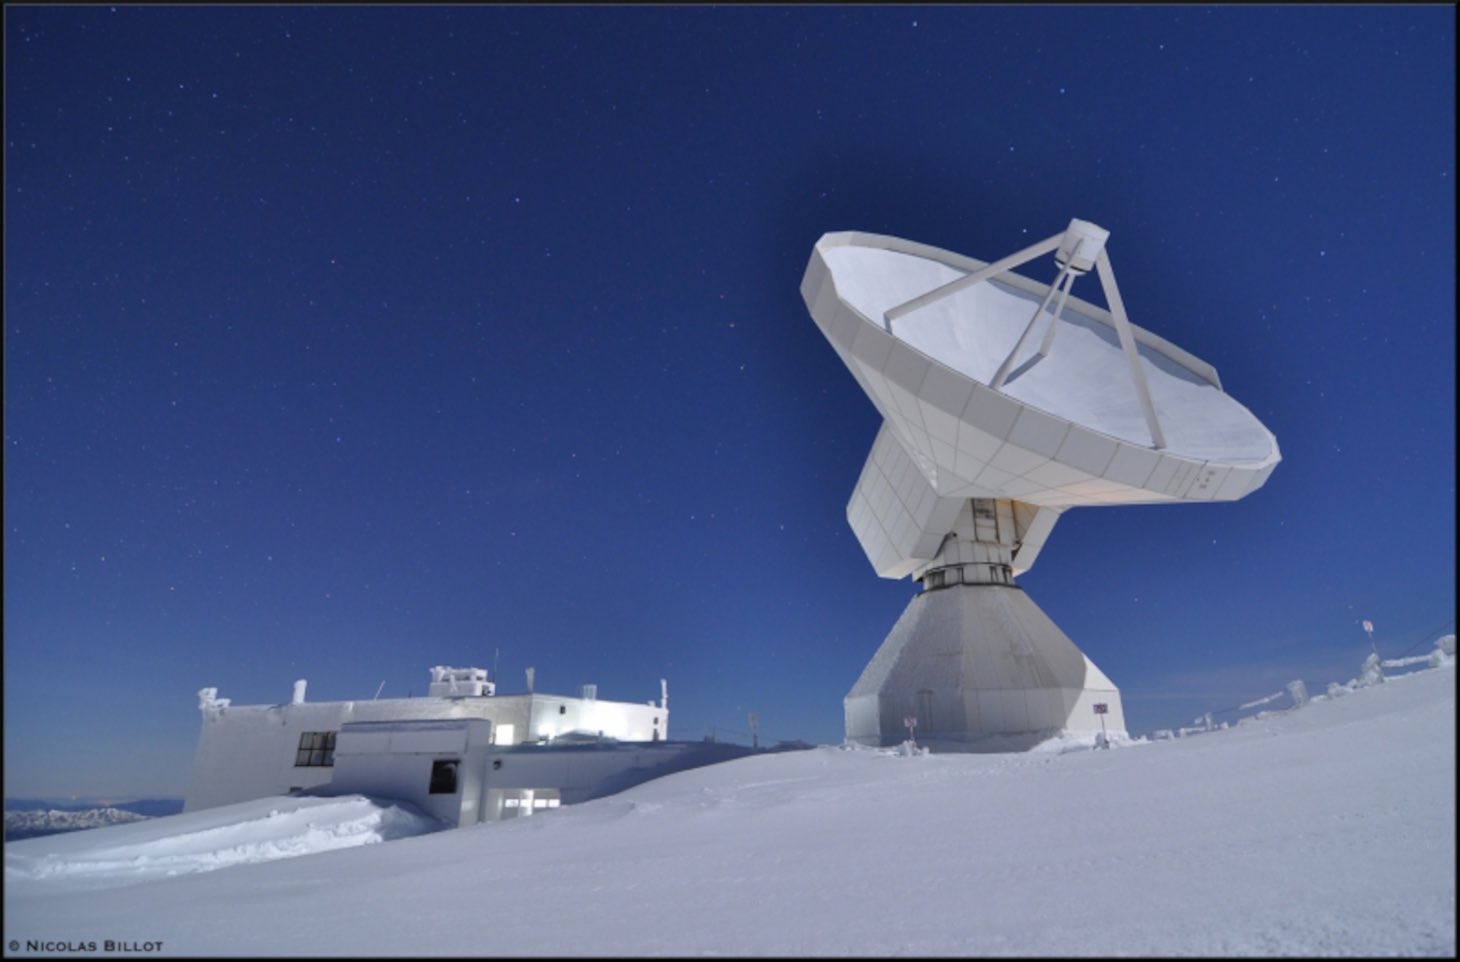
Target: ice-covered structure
[997, 416]
[461, 752]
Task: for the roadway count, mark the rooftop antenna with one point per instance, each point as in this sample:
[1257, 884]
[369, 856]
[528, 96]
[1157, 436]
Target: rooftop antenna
[496, 654]
[379, 690]
[983, 446]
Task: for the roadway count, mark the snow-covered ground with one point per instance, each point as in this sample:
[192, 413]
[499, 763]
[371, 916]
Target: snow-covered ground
[262, 830]
[1327, 830]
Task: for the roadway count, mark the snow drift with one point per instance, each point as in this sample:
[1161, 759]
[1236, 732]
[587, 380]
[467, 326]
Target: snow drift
[258, 831]
[1323, 830]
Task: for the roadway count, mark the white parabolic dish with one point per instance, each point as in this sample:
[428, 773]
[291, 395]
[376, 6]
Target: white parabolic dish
[1066, 430]
[998, 415]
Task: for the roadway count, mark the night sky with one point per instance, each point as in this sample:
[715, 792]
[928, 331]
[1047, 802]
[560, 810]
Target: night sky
[342, 342]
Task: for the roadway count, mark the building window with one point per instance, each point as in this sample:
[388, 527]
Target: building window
[535, 803]
[443, 776]
[316, 749]
[562, 709]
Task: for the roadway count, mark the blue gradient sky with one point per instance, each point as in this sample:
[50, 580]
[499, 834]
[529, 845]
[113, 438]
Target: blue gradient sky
[343, 342]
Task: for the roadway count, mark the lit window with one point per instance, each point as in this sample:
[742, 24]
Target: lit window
[316, 750]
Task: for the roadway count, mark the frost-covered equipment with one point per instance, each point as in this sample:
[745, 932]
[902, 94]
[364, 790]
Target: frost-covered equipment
[460, 683]
[987, 437]
[1102, 709]
[1299, 690]
[1369, 630]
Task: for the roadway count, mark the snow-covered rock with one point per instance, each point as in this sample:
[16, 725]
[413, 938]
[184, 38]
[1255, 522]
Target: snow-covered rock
[33, 824]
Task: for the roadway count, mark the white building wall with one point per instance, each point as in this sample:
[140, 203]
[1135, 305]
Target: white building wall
[395, 760]
[576, 773]
[554, 715]
[248, 751]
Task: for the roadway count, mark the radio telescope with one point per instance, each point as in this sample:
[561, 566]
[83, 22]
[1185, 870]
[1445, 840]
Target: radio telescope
[997, 416]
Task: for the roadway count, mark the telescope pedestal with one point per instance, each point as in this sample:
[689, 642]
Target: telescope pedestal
[983, 669]
[974, 660]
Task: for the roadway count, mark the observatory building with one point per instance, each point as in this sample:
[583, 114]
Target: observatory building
[998, 414]
[461, 752]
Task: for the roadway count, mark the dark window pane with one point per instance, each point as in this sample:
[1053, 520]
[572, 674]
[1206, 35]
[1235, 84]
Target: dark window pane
[443, 777]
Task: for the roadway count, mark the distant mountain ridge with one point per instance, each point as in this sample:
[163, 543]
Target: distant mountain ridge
[151, 807]
[35, 823]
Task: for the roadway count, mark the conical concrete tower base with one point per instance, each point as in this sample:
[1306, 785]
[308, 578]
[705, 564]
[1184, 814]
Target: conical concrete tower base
[982, 668]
